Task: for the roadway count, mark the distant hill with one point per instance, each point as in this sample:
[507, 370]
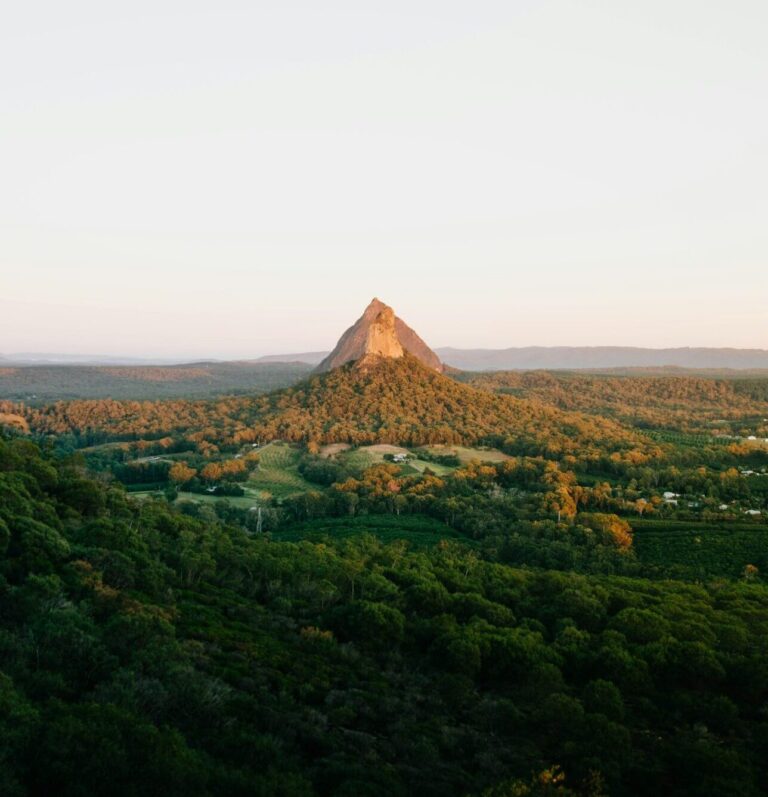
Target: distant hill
[593, 358]
[53, 358]
[682, 399]
[307, 357]
[399, 401]
[44, 383]
[402, 401]
[526, 358]
[598, 357]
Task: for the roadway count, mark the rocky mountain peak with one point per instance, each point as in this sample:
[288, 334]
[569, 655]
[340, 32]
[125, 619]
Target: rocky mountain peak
[378, 333]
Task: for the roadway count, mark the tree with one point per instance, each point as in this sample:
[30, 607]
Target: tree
[181, 473]
[611, 527]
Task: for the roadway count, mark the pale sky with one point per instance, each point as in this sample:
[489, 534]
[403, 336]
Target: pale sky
[230, 179]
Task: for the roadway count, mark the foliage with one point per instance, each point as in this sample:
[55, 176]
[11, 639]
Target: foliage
[42, 383]
[682, 403]
[398, 401]
[144, 650]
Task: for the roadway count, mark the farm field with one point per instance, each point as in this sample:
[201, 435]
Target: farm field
[361, 458]
[241, 501]
[246, 501]
[380, 449]
[688, 439]
[277, 475]
[332, 449]
[702, 550]
[358, 459]
[421, 465]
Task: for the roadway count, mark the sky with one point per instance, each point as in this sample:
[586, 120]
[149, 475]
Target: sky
[238, 178]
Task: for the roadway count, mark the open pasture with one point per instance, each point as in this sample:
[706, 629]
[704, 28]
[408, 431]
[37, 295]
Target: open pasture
[466, 453]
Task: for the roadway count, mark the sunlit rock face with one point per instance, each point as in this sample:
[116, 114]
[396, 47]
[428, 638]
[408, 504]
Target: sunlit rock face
[378, 333]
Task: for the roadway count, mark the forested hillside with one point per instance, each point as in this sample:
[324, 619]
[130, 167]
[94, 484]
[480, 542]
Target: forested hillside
[398, 401]
[674, 402]
[146, 650]
[47, 383]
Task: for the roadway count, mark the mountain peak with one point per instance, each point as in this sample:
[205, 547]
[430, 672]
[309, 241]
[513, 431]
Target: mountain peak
[378, 333]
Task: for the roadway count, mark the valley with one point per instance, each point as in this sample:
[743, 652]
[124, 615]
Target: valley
[381, 578]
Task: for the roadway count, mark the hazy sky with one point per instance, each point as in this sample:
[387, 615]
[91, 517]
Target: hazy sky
[237, 178]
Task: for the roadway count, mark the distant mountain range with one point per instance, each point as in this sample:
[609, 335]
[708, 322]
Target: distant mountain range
[578, 357]
[522, 358]
[54, 358]
[599, 357]
[307, 357]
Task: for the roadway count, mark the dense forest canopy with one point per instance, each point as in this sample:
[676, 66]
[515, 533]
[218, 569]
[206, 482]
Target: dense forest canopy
[149, 650]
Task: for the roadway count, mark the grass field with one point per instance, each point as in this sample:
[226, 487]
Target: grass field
[105, 447]
[420, 464]
[242, 501]
[332, 449]
[702, 550]
[418, 530]
[251, 498]
[466, 454]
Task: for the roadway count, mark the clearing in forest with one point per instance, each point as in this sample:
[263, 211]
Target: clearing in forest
[467, 454]
[277, 475]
